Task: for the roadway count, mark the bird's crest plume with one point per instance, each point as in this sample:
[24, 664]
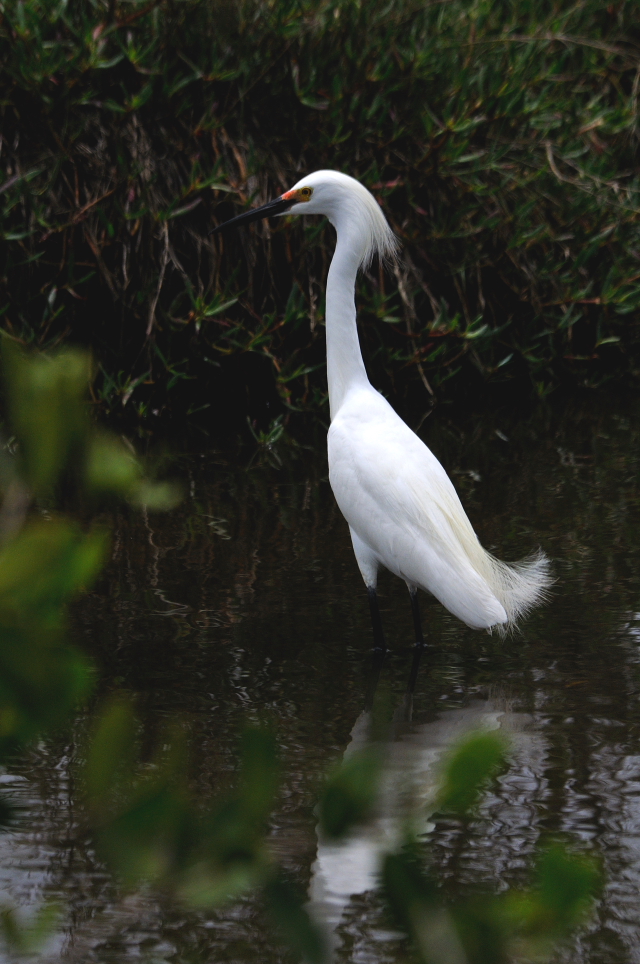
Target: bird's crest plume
[354, 206]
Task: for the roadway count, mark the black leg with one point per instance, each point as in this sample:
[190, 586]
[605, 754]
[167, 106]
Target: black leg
[377, 661]
[376, 622]
[415, 666]
[417, 623]
[417, 652]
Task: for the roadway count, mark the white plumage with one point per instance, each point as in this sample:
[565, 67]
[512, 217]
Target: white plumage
[405, 514]
[402, 509]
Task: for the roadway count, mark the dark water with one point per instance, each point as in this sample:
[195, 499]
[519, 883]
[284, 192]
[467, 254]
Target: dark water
[245, 603]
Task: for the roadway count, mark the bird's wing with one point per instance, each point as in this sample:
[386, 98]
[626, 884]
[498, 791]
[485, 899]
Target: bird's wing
[379, 460]
[400, 501]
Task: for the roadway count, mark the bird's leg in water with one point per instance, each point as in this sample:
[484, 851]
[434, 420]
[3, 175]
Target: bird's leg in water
[413, 675]
[415, 612]
[379, 647]
[417, 653]
[376, 665]
[376, 622]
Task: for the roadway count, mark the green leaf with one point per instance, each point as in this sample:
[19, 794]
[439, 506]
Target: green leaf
[259, 775]
[217, 308]
[472, 764]
[350, 795]
[25, 936]
[110, 467]
[292, 919]
[42, 677]
[155, 496]
[142, 842]
[110, 755]
[46, 564]
[107, 64]
[566, 885]
[47, 411]
[413, 900]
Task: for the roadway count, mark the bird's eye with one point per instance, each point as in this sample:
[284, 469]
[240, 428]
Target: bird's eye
[305, 193]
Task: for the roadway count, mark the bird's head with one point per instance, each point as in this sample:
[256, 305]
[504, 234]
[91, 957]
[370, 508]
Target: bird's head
[350, 207]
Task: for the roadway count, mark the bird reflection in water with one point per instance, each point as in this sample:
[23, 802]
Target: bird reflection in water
[413, 754]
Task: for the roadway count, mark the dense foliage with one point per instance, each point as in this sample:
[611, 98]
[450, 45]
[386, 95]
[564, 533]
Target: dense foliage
[500, 138]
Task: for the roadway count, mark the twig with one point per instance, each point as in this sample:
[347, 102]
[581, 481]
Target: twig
[552, 165]
[401, 281]
[139, 13]
[163, 266]
[557, 37]
[14, 180]
[93, 244]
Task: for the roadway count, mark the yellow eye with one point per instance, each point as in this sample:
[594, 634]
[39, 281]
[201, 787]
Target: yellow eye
[305, 193]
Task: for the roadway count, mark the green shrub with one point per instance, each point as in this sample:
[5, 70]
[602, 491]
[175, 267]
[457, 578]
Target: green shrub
[500, 138]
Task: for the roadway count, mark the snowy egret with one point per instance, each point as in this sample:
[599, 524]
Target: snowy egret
[402, 509]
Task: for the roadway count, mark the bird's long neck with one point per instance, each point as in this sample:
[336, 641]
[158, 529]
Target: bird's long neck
[345, 367]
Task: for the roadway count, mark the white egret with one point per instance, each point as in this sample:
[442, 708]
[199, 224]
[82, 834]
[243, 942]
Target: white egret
[402, 509]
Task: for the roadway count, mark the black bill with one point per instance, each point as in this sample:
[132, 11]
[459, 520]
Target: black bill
[279, 206]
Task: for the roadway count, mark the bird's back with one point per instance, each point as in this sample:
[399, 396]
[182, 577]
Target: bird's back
[400, 502]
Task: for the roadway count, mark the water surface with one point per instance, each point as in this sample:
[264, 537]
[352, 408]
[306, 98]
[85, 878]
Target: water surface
[245, 603]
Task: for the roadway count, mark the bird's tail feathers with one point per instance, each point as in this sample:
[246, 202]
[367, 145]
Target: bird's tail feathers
[519, 586]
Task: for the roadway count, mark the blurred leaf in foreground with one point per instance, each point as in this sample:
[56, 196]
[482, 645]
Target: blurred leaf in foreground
[147, 824]
[41, 676]
[113, 469]
[56, 441]
[472, 765]
[25, 936]
[417, 908]
[46, 402]
[486, 928]
[150, 828]
[110, 756]
[564, 889]
[301, 933]
[349, 797]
